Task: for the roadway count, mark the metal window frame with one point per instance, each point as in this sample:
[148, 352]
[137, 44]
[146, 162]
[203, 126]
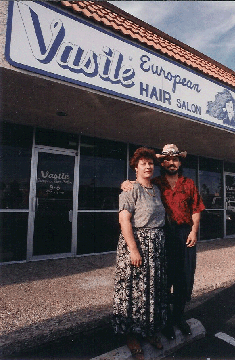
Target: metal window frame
[32, 196]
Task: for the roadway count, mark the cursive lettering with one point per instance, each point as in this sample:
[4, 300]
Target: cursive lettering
[60, 176]
[108, 64]
[146, 66]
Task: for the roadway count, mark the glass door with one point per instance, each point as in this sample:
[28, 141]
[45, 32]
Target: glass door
[230, 203]
[53, 203]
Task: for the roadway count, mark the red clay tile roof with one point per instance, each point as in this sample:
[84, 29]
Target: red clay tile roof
[118, 20]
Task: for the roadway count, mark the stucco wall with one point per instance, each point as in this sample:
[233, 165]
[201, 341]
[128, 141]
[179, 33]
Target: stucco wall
[3, 27]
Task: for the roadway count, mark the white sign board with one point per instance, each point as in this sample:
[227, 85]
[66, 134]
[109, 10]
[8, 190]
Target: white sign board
[48, 41]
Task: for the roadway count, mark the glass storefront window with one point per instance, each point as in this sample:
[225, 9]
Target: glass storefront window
[230, 203]
[13, 244]
[56, 139]
[190, 167]
[97, 232]
[211, 183]
[15, 150]
[211, 224]
[102, 170]
[211, 190]
[229, 167]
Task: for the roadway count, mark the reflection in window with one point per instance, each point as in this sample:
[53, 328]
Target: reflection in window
[229, 167]
[211, 183]
[15, 153]
[97, 232]
[102, 169]
[230, 203]
[56, 139]
[211, 224]
[189, 165]
[13, 240]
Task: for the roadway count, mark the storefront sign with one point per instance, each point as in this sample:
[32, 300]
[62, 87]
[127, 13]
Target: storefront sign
[45, 40]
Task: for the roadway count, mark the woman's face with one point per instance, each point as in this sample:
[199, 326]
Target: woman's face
[145, 168]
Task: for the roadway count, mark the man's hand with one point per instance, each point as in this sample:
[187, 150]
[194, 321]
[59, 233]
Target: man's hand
[192, 239]
[127, 185]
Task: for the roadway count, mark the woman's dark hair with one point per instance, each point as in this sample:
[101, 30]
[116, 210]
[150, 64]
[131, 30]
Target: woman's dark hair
[142, 153]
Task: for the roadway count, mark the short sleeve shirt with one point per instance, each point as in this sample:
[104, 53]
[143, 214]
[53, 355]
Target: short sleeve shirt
[182, 201]
[147, 210]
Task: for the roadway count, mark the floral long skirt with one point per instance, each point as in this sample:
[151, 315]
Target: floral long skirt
[140, 297]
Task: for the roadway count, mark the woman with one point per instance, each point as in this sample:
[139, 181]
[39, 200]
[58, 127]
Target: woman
[140, 299]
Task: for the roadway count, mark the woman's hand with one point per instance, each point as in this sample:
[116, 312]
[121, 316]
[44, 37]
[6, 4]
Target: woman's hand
[136, 259]
[127, 185]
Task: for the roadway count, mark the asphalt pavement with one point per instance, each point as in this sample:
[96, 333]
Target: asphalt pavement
[216, 312]
[66, 304]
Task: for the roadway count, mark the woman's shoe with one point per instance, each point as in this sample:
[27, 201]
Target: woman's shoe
[135, 348]
[155, 341]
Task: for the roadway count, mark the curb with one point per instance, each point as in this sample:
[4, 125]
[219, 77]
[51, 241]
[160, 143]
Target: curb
[27, 340]
[150, 353]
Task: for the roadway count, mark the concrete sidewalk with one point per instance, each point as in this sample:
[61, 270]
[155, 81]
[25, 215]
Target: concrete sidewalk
[45, 300]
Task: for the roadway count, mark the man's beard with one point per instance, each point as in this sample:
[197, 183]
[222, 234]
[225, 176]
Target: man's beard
[171, 172]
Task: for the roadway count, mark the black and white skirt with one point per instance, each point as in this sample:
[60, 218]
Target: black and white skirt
[140, 297]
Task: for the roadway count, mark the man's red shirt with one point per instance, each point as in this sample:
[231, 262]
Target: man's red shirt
[182, 201]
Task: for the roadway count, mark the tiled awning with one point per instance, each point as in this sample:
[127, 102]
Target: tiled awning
[121, 22]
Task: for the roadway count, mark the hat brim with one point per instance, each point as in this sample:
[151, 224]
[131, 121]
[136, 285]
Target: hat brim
[182, 154]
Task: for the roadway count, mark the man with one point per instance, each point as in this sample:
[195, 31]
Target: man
[183, 206]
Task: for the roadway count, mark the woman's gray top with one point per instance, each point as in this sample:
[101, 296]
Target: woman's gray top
[147, 210]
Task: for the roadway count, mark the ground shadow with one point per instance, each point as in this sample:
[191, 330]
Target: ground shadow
[48, 269]
[53, 268]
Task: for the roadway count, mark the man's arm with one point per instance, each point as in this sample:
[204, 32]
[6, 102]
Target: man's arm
[127, 185]
[192, 238]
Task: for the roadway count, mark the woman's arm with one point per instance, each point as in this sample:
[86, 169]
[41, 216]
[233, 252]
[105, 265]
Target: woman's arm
[125, 222]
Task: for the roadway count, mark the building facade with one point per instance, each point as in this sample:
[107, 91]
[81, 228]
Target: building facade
[83, 85]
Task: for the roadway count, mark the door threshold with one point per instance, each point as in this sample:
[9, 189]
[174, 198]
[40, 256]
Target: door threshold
[51, 256]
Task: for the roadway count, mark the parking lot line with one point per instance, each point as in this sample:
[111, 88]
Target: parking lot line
[229, 339]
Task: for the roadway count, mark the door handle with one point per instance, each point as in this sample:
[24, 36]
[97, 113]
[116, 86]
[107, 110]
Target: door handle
[70, 215]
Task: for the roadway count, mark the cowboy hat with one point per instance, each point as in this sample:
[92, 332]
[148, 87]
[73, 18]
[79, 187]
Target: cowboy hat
[171, 150]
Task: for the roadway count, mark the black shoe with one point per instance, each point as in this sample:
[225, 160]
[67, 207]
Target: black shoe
[169, 332]
[184, 327]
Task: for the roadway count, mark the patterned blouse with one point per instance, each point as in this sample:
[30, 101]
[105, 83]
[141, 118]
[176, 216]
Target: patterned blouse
[182, 201]
[147, 210]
